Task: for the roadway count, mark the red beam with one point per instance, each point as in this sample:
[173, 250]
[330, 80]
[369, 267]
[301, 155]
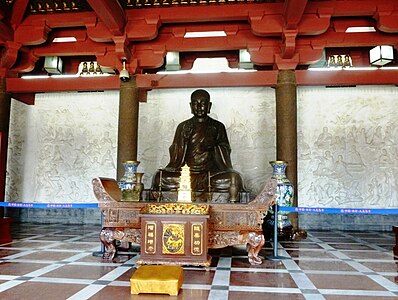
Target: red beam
[18, 12]
[347, 77]
[160, 81]
[156, 81]
[111, 13]
[100, 83]
[293, 11]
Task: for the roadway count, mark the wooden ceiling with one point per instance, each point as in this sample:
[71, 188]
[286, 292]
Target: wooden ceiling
[290, 34]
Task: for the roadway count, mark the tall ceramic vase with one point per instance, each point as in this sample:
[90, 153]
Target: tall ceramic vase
[284, 192]
[128, 182]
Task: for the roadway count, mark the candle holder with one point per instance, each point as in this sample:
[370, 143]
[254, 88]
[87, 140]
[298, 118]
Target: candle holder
[160, 196]
[209, 193]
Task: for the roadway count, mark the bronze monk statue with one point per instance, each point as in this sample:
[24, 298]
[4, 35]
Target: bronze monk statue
[202, 143]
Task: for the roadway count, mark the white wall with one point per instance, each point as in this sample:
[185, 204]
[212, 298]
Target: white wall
[348, 146]
[58, 145]
[347, 142]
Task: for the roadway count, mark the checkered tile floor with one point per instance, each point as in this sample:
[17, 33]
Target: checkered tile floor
[57, 262]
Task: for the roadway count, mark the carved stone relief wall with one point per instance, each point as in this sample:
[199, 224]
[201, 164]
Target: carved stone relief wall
[59, 144]
[347, 142]
[348, 147]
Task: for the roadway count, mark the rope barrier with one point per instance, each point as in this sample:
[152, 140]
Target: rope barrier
[47, 205]
[299, 209]
[344, 211]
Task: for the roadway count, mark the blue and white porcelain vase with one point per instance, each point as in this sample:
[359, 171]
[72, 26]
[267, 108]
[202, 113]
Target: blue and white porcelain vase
[130, 187]
[128, 180]
[284, 191]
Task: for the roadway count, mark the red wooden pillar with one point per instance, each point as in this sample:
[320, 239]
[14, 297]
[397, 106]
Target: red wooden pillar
[5, 103]
[286, 129]
[128, 124]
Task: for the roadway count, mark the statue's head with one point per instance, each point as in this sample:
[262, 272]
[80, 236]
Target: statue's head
[200, 103]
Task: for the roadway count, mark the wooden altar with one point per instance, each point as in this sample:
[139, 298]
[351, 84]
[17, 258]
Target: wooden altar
[228, 224]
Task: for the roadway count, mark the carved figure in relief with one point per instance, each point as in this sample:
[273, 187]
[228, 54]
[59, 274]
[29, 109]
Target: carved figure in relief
[325, 138]
[202, 143]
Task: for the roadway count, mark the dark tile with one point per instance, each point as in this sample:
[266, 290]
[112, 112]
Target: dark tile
[350, 246]
[8, 252]
[310, 253]
[263, 296]
[48, 255]
[344, 282]
[367, 254]
[19, 268]
[77, 271]
[382, 266]
[262, 279]
[40, 291]
[267, 264]
[332, 265]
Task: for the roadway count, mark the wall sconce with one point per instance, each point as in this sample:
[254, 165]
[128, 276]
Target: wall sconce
[339, 61]
[245, 59]
[173, 61]
[381, 55]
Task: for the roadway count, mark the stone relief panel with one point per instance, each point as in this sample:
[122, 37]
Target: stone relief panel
[16, 150]
[59, 144]
[247, 113]
[70, 138]
[347, 147]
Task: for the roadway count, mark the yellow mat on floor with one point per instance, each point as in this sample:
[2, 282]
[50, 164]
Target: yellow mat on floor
[157, 280]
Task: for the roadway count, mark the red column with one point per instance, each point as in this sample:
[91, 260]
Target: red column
[128, 124]
[5, 103]
[286, 129]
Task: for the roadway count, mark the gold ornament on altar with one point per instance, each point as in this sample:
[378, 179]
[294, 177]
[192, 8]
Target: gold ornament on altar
[177, 209]
[184, 191]
[173, 239]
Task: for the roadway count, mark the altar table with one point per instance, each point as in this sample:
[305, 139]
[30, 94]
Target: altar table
[228, 224]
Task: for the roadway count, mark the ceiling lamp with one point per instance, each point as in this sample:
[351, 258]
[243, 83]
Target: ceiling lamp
[245, 59]
[381, 55]
[53, 64]
[173, 61]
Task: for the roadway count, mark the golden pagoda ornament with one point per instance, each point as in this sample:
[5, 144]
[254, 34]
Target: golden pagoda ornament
[184, 191]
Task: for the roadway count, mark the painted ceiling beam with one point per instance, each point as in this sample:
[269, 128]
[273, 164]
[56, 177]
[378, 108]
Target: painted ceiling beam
[265, 19]
[264, 51]
[18, 12]
[293, 11]
[111, 13]
[250, 79]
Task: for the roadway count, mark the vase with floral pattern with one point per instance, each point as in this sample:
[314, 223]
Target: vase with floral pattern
[130, 184]
[284, 193]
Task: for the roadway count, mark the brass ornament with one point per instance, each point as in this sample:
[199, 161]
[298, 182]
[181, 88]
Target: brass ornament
[177, 209]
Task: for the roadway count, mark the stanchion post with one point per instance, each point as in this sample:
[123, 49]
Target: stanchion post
[276, 230]
[275, 239]
[100, 253]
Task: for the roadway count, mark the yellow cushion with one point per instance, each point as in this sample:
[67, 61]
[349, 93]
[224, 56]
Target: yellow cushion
[157, 280]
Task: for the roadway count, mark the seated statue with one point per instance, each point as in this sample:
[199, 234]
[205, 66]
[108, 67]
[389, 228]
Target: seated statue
[202, 143]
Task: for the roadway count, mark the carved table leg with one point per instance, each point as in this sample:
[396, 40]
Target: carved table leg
[254, 243]
[108, 237]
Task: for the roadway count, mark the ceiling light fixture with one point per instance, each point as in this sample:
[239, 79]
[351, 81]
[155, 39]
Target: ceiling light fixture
[360, 29]
[204, 65]
[198, 34]
[67, 39]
